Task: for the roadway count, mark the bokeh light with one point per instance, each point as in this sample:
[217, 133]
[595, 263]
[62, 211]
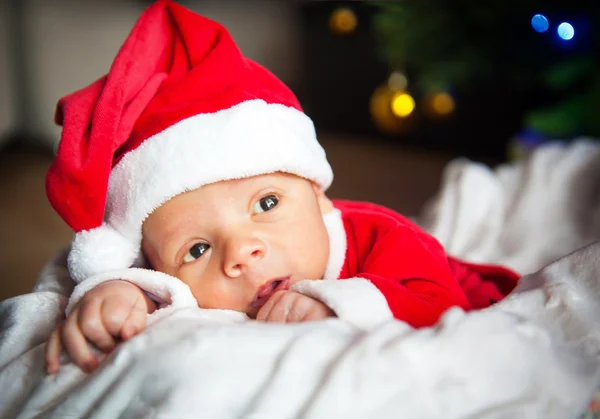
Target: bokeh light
[539, 23]
[402, 104]
[566, 31]
[397, 81]
[381, 111]
[442, 103]
[343, 21]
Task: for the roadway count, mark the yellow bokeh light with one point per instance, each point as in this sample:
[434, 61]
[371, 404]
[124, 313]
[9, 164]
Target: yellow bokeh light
[381, 112]
[402, 104]
[442, 103]
[343, 21]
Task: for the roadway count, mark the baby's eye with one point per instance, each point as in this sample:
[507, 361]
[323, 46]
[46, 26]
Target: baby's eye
[266, 203]
[195, 252]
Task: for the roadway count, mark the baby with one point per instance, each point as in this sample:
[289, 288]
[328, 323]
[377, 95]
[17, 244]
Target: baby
[191, 177]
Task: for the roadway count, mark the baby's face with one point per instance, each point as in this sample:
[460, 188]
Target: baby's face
[236, 242]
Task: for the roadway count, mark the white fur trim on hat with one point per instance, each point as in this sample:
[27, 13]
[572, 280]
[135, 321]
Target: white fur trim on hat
[249, 139]
[100, 250]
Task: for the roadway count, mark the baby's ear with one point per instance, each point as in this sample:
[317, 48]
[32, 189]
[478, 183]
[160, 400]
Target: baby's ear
[324, 202]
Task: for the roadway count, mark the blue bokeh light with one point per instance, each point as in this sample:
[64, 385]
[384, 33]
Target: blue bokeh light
[566, 31]
[539, 23]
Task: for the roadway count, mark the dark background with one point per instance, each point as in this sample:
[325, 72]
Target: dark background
[340, 74]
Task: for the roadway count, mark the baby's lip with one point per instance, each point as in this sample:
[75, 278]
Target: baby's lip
[269, 288]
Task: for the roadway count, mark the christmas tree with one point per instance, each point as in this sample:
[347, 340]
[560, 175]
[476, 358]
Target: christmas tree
[548, 47]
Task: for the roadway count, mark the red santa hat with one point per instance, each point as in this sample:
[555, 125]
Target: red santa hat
[181, 107]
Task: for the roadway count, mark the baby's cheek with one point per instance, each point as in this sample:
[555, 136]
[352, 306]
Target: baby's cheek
[209, 289]
[315, 255]
[306, 248]
[218, 298]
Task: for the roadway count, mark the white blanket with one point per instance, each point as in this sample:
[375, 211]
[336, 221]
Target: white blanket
[523, 215]
[535, 354]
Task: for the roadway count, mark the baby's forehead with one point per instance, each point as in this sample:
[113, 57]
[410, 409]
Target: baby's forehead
[206, 199]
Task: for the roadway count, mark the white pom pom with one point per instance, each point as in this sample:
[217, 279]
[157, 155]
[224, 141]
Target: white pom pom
[100, 250]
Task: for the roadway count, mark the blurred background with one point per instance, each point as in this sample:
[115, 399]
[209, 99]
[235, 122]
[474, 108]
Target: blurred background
[396, 90]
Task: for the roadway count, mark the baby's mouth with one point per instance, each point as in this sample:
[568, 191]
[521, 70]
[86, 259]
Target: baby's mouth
[268, 289]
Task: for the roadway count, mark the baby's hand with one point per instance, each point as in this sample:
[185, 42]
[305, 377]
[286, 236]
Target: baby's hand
[291, 307]
[112, 310]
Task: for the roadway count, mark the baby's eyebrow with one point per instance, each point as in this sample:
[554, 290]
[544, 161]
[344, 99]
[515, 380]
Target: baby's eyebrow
[169, 243]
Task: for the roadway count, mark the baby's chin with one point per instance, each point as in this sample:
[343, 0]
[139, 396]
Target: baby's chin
[250, 311]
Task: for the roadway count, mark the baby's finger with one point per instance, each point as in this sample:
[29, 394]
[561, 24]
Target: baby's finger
[76, 345]
[264, 314]
[114, 312]
[318, 312]
[90, 323]
[53, 348]
[134, 324]
[298, 308]
[282, 309]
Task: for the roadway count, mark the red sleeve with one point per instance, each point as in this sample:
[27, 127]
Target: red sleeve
[411, 270]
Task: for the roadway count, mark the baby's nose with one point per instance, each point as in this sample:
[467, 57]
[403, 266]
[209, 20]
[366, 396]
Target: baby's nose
[242, 254]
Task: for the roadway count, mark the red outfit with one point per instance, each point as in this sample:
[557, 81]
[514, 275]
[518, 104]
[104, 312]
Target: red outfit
[411, 269]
